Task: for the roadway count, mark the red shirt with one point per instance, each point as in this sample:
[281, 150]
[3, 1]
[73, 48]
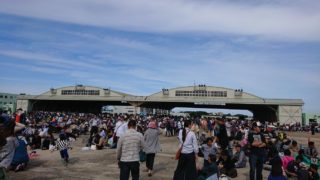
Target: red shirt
[18, 118]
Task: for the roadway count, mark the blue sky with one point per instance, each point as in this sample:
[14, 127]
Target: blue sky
[269, 48]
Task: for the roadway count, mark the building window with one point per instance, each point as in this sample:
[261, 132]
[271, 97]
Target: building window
[202, 93]
[80, 92]
[1, 96]
[5, 97]
[11, 97]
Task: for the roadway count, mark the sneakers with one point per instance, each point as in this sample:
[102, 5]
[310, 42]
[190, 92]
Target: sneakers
[149, 173]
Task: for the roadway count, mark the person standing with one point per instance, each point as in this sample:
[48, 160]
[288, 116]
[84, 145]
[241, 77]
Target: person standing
[63, 144]
[186, 168]
[221, 136]
[120, 129]
[94, 124]
[257, 152]
[152, 145]
[128, 148]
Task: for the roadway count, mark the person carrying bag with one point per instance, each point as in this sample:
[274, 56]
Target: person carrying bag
[187, 154]
[178, 153]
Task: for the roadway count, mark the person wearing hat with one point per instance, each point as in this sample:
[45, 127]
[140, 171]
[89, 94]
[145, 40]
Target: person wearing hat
[257, 144]
[152, 145]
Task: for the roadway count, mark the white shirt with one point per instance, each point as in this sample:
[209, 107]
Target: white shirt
[228, 128]
[94, 122]
[121, 129]
[118, 124]
[102, 134]
[246, 133]
[190, 144]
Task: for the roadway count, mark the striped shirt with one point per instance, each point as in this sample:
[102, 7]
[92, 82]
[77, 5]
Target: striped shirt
[129, 146]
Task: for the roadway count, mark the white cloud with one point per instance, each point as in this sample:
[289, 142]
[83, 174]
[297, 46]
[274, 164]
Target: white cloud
[284, 20]
[42, 58]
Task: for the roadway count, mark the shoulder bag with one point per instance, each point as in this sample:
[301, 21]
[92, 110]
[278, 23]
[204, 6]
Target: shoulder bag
[178, 153]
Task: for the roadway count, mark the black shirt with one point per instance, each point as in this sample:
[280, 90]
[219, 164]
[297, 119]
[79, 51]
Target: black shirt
[292, 167]
[276, 166]
[222, 136]
[257, 137]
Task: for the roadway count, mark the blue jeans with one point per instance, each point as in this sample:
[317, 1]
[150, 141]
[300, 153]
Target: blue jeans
[64, 154]
[256, 166]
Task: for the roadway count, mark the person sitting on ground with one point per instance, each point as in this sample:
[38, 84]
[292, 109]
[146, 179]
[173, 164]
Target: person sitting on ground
[313, 172]
[35, 141]
[294, 167]
[102, 139]
[239, 157]
[207, 149]
[286, 158]
[294, 148]
[311, 150]
[226, 165]
[276, 169]
[210, 171]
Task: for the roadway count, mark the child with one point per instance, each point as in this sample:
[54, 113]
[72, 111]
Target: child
[211, 170]
[63, 145]
[207, 149]
[239, 158]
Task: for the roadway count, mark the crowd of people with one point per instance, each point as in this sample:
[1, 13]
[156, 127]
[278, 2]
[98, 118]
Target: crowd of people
[225, 145]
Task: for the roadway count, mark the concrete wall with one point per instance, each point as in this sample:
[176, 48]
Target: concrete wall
[289, 114]
[230, 92]
[24, 104]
